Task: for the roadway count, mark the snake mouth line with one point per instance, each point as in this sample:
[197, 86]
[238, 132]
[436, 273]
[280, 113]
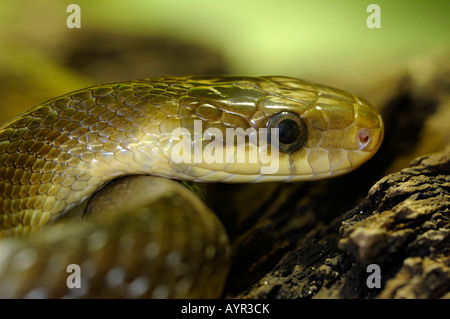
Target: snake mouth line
[257, 178]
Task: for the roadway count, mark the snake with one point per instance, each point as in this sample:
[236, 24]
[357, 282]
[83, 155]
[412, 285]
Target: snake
[90, 200]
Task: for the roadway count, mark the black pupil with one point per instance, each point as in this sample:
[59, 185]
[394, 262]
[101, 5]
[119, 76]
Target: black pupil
[288, 130]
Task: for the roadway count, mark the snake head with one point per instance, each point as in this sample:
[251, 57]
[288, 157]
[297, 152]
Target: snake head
[331, 133]
[321, 131]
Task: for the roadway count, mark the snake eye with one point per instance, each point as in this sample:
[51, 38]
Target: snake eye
[292, 131]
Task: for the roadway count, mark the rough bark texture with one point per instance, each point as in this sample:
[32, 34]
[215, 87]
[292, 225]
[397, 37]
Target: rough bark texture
[403, 226]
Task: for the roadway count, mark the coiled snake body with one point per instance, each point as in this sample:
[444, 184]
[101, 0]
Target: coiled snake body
[149, 236]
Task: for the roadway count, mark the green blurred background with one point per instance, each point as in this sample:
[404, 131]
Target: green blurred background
[326, 41]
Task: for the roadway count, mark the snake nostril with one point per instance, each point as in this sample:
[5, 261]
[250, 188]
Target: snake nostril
[363, 138]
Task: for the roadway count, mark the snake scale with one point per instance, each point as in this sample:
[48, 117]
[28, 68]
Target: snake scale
[145, 235]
